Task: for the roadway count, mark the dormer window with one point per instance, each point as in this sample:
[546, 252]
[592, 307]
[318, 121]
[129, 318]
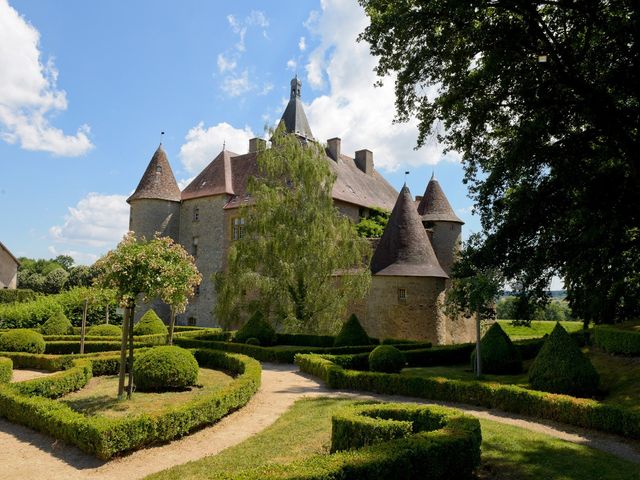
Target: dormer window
[158, 169]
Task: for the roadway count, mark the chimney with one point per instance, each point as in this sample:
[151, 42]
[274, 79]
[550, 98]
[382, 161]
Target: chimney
[333, 146]
[364, 161]
[257, 145]
[418, 198]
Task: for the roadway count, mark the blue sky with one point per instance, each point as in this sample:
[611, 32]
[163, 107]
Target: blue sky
[86, 88]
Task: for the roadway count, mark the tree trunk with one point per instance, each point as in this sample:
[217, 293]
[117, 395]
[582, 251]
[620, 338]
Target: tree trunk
[83, 325]
[172, 324]
[106, 317]
[130, 386]
[123, 353]
[478, 362]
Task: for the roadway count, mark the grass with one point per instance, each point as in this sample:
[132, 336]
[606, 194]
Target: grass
[507, 452]
[537, 329]
[99, 396]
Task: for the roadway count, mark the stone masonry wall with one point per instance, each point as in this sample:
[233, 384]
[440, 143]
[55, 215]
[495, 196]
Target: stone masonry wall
[8, 270]
[446, 241]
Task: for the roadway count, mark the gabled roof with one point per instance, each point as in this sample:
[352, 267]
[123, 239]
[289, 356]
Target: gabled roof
[434, 205]
[215, 179]
[294, 118]
[10, 254]
[158, 181]
[405, 248]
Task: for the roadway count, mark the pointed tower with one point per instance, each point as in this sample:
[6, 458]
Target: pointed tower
[407, 282]
[438, 217]
[294, 118]
[155, 204]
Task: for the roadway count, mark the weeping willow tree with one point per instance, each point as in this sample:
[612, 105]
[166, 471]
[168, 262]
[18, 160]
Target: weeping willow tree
[298, 261]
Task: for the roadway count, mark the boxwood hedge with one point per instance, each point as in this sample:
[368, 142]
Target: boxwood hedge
[6, 369]
[617, 340]
[32, 404]
[509, 398]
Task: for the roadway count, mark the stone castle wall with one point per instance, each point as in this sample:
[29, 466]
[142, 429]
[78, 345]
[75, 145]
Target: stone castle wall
[149, 216]
[8, 270]
[446, 241]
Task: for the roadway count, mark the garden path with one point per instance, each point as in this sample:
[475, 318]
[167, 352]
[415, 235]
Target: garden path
[25, 453]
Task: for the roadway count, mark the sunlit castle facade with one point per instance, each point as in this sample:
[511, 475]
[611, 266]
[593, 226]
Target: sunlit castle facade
[205, 219]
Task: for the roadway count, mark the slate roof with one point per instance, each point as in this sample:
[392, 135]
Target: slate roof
[405, 248]
[434, 205]
[10, 254]
[215, 179]
[158, 181]
[294, 118]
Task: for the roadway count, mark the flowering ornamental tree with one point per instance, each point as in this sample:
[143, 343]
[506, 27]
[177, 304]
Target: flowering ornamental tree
[157, 268]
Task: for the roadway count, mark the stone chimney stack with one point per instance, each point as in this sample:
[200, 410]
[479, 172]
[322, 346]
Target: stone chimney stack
[364, 161]
[333, 145]
[257, 145]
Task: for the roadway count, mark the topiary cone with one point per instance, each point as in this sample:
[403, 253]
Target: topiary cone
[150, 324]
[57, 324]
[498, 355]
[352, 334]
[257, 328]
[561, 367]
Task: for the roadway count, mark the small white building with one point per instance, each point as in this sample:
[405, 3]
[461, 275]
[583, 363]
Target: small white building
[8, 268]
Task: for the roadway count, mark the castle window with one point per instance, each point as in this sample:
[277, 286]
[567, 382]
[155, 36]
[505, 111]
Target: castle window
[238, 228]
[196, 290]
[194, 247]
[196, 214]
[402, 295]
[191, 321]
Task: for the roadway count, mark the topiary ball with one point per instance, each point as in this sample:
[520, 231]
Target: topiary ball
[386, 359]
[22, 340]
[57, 324]
[498, 355]
[352, 334]
[256, 327]
[150, 324]
[561, 367]
[105, 330]
[253, 341]
[165, 368]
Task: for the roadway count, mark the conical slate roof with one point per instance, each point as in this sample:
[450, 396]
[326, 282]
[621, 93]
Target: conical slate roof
[405, 248]
[434, 205]
[215, 179]
[158, 181]
[294, 118]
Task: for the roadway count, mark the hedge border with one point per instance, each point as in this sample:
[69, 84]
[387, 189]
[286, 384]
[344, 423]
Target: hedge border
[617, 340]
[31, 404]
[580, 412]
[6, 370]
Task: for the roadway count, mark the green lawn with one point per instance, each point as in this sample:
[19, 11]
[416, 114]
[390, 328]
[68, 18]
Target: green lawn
[537, 329]
[99, 396]
[507, 452]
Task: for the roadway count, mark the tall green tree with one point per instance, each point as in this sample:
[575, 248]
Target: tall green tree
[541, 100]
[300, 262]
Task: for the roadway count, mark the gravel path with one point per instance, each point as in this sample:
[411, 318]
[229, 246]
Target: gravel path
[25, 453]
[23, 375]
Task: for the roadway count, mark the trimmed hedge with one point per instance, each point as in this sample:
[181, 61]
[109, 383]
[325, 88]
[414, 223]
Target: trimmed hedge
[351, 334]
[304, 340]
[28, 314]
[165, 368]
[387, 359]
[150, 324]
[498, 355]
[21, 340]
[617, 340]
[105, 437]
[57, 324]
[68, 347]
[6, 369]
[509, 398]
[17, 295]
[105, 330]
[256, 327]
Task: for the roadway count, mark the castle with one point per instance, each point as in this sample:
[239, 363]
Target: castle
[411, 263]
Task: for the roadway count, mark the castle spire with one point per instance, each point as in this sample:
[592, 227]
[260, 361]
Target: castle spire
[434, 205]
[405, 248]
[294, 118]
[158, 181]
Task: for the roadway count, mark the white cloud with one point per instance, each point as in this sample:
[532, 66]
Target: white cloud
[80, 258]
[353, 109]
[225, 64]
[203, 144]
[237, 85]
[29, 94]
[302, 44]
[255, 19]
[182, 183]
[96, 221]
[266, 88]
[292, 64]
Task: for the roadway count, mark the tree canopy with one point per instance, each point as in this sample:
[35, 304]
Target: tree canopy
[295, 242]
[541, 101]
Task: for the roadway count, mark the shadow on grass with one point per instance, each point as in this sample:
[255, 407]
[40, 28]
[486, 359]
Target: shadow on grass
[96, 404]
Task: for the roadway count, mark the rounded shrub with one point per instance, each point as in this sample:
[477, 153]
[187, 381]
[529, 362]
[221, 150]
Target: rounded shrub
[57, 324]
[498, 355]
[105, 330]
[150, 324]
[351, 334]
[165, 368]
[253, 341]
[256, 327]
[561, 367]
[22, 340]
[387, 359]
